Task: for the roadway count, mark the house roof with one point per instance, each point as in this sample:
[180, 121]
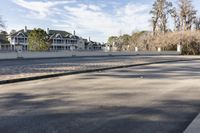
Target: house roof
[92, 43]
[62, 33]
[52, 34]
[21, 31]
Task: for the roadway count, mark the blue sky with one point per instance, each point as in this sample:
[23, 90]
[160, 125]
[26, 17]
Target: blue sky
[97, 19]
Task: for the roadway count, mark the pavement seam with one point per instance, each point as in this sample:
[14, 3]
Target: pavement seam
[2, 82]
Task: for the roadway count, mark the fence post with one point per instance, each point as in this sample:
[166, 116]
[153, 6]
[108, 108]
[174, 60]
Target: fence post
[136, 49]
[159, 49]
[179, 48]
[19, 51]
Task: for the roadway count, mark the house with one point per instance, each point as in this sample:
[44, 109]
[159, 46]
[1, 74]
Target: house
[19, 38]
[111, 47]
[62, 40]
[93, 46]
[106, 47]
[58, 40]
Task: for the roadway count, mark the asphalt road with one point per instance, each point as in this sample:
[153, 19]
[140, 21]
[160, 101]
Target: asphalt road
[160, 98]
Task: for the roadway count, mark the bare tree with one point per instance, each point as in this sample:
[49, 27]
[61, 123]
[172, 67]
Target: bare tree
[155, 16]
[13, 31]
[197, 23]
[187, 14]
[176, 18]
[1, 23]
[154, 24]
[160, 11]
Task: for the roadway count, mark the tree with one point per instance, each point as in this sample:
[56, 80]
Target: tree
[112, 39]
[2, 25]
[197, 23]
[4, 33]
[13, 31]
[140, 40]
[187, 14]
[160, 11]
[176, 18]
[38, 40]
[125, 40]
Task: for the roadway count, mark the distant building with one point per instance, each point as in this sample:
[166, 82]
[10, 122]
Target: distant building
[106, 47]
[93, 46]
[62, 40]
[58, 40]
[109, 47]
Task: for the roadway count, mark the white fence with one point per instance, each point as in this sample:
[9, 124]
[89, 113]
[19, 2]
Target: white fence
[31, 55]
[8, 55]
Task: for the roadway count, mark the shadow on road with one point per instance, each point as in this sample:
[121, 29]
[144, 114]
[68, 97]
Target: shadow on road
[36, 116]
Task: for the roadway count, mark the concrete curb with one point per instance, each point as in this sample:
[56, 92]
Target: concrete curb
[194, 127]
[67, 57]
[87, 71]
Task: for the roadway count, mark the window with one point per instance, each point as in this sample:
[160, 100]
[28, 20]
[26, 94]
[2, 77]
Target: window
[15, 40]
[58, 41]
[26, 40]
[21, 40]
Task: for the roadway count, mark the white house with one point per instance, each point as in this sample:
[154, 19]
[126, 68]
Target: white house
[58, 40]
[109, 47]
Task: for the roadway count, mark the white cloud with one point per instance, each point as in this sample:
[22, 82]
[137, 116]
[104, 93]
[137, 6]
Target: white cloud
[134, 16]
[90, 19]
[94, 7]
[39, 9]
[124, 19]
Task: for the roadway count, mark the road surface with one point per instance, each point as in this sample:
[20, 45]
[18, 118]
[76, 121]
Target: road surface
[160, 98]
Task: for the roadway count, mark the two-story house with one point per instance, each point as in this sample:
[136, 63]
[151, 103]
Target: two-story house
[93, 46]
[19, 38]
[58, 40]
[62, 40]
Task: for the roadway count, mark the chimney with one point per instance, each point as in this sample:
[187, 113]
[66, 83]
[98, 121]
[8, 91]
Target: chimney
[47, 30]
[74, 32]
[89, 39]
[25, 29]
